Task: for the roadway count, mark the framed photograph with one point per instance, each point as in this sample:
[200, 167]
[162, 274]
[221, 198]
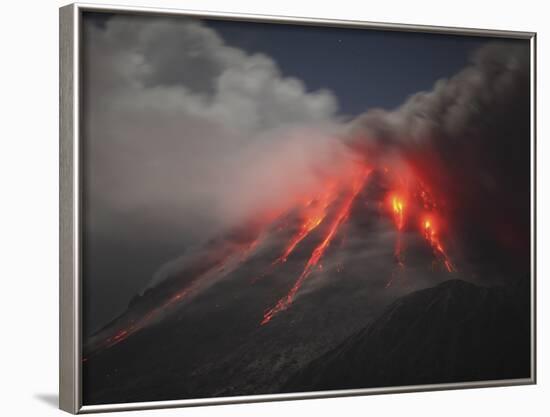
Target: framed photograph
[262, 208]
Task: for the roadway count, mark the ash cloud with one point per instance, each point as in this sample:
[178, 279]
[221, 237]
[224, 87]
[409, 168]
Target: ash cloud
[185, 138]
[458, 109]
[469, 138]
[185, 129]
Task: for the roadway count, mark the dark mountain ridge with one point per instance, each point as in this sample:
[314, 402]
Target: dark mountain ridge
[453, 332]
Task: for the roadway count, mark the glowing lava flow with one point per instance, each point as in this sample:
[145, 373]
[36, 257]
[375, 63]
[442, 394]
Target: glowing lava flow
[312, 216]
[397, 203]
[398, 206]
[142, 322]
[319, 251]
[138, 324]
[431, 236]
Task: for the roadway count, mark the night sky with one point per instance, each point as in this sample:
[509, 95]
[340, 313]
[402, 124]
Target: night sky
[364, 68]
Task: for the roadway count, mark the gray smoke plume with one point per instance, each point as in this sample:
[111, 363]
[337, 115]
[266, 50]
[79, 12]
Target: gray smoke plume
[186, 137]
[468, 137]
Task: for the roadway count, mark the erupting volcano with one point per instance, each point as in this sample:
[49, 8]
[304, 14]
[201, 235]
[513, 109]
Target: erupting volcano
[320, 217]
[397, 207]
[250, 213]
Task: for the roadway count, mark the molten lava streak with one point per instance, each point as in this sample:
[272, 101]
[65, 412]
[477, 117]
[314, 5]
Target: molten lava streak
[398, 206]
[319, 251]
[139, 323]
[312, 216]
[142, 322]
[430, 233]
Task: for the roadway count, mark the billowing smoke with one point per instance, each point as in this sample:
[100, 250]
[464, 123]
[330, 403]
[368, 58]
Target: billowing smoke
[458, 109]
[187, 137]
[468, 139]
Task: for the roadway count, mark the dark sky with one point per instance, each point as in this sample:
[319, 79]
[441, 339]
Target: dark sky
[364, 68]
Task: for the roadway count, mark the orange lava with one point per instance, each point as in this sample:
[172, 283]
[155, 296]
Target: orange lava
[312, 215]
[135, 326]
[398, 208]
[145, 320]
[319, 251]
[431, 235]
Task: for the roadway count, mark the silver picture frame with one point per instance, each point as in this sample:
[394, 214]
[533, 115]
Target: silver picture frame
[70, 231]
